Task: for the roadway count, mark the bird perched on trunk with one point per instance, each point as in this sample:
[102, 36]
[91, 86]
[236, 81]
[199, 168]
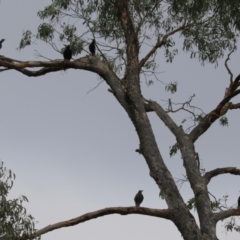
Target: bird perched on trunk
[67, 54]
[138, 198]
[239, 203]
[92, 47]
[1, 43]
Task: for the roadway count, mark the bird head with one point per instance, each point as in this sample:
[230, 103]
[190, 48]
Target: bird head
[140, 191]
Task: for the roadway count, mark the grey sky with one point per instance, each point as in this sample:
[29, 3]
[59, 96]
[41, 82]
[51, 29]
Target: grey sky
[74, 152]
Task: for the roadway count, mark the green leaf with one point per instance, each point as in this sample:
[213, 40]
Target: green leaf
[174, 149]
[45, 32]
[171, 87]
[26, 39]
[223, 121]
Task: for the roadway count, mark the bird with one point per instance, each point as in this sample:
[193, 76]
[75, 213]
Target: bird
[92, 47]
[67, 54]
[239, 203]
[1, 43]
[138, 198]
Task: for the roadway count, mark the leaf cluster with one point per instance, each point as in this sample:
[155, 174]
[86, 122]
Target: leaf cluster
[207, 27]
[15, 223]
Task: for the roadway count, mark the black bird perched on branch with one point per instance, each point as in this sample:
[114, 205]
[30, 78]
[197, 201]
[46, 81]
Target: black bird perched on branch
[138, 198]
[67, 54]
[239, 202]
[92, 47]
[1, 43]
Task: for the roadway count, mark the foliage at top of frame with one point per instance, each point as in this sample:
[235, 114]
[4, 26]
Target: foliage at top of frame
[208, 27]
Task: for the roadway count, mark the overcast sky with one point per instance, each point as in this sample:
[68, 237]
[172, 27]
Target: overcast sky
[74, 151]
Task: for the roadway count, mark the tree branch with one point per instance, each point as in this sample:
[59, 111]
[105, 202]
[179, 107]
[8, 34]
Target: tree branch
[234, 106]
[225, 214]
[148, 145]
[106, 211]
[226, 100]
[211, 117]
[209, 175]
[160, 44]
[87, 63]
[145, 15]
[226, 64]
[237, 79]
[154, 106]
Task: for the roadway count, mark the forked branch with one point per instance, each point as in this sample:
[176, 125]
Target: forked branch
[154, 106]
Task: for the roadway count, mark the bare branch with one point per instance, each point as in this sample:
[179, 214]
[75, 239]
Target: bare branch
[4, 69]
[106, 211]
[177, 131]
[226, 100]
[225, 214]
[209, 175]
[38, 55]
[92, 89]
[9, 59]
[232, 87]
[211, 117]
[185, 107]
[237, 79]
[88, 63]
[234, 106]
[226, 65]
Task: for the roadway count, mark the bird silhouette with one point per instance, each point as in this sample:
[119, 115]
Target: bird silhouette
[239, 202]
[138, 198]
[1, 43]
[92, 47]
[67, 54]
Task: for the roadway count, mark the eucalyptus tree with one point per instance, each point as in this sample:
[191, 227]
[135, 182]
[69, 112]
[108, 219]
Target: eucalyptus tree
[128, 34]
[15, 223]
